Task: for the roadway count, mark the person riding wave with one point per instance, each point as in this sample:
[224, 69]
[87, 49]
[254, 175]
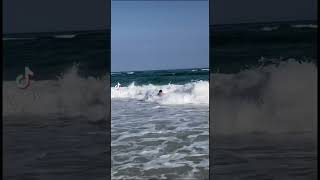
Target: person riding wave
[160, 93]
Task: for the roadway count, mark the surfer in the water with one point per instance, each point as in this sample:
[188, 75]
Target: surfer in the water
[160, 93]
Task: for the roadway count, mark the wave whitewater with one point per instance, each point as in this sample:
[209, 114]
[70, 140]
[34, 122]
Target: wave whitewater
[314, 26]
[65, 36]
[271, 98]
[69, 95]
[190, 93]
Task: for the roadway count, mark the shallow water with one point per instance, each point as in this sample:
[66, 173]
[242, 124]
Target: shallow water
[264, 156]
[42, 147]
[150, 140]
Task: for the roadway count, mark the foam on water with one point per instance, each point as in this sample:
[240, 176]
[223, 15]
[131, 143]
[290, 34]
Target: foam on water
[65, 36]
[315, 26]
[278, 97]
[159, 141]
[269, 98]
[172, 130]
[267, 28]
[68, 95]
[196, 93]
[16, 39]
[160, 137]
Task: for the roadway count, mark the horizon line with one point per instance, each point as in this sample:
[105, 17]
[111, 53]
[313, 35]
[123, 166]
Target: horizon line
[109, 29]
[258, 22]
[160, 69]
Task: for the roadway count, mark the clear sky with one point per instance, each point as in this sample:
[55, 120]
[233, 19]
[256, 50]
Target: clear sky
[149, 35]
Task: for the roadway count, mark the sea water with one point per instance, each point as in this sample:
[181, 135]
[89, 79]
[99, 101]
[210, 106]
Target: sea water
[56, 128]
[264, 81]
[263, 101]
[160, 137]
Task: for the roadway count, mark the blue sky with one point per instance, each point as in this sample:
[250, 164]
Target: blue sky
[149, 35]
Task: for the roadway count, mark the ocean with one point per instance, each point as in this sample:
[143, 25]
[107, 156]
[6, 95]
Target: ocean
[160, 137]
[61, 117]
[51, 54]
[236, 47]
[263, 101]
[57, 127]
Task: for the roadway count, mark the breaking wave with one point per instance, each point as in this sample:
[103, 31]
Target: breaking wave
[273, 98]
[69, 95]
[196, 93]
[65, 36]
[269, 28]
[315, 26]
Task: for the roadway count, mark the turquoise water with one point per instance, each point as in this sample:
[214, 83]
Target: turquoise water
[160, 77]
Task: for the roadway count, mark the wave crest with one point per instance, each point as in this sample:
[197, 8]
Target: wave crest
[314, 26]
[273, 98]
[196, 93]
[69, 95]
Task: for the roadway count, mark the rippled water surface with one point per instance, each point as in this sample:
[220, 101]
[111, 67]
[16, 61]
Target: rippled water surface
[150, 140]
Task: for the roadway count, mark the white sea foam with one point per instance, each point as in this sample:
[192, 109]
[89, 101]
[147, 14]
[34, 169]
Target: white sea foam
[68, 95]
[65, 36]
[267, 28]
[315, 26]
[191, 93]
[16, 39]
[114, 73]
[275, 98]
[147, 141]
